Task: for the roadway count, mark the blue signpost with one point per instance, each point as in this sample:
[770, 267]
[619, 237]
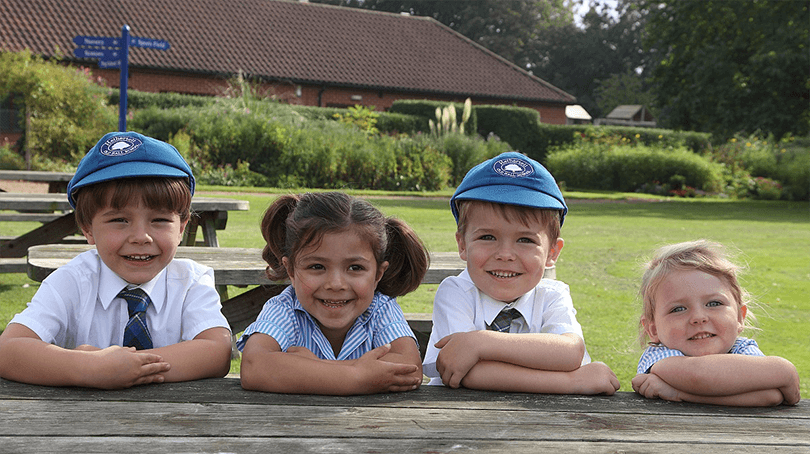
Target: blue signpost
[113, 52]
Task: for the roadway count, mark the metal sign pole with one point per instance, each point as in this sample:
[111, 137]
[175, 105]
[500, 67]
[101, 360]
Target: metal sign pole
[122, 101]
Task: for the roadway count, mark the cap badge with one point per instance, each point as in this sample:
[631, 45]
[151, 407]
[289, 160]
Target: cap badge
[120, 145]
[513, 167]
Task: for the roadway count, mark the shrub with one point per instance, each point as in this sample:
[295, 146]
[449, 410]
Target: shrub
[144, 100]
[67, 115]
[10, 159]
[162, 124]
[628, 168]
[786, 161]
[427, 109]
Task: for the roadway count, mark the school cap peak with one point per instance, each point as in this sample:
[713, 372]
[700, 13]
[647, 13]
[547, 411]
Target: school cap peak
[128, 155]
[513, 179]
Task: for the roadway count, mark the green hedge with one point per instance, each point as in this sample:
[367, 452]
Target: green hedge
[627, 168]
[427, 110]
[143, 100]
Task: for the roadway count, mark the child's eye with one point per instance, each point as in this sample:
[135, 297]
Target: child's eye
[356, 268]
[486, 238]
[316, 266]
[714, 303]
[525, 240]
[677, 309]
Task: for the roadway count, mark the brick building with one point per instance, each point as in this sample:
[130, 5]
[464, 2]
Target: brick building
[302, 53]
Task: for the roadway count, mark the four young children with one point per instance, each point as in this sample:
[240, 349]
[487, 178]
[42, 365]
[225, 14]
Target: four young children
[128, 313]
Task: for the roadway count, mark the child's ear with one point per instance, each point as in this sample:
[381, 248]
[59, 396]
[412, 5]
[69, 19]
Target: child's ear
[381, 270]
[285, 262]
[462, 246]
[554, 252]
[650, 329]
[87, 231]
[741, 318]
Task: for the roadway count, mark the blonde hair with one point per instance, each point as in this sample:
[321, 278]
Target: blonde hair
[701, 255]
[549, 218]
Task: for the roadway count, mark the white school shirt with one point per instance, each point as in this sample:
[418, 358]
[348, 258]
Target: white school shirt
[460, 307]
[78, 304]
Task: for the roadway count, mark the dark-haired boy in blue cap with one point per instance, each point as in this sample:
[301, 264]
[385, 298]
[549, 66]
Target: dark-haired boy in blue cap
[499, 325]
[127, 312]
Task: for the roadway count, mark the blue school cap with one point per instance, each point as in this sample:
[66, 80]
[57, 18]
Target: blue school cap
[127, 155]
[513, 179]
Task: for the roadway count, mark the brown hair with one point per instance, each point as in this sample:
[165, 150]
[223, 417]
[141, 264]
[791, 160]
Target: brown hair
[700, 255]
[546, 217]
[293, 222]
[157, 193]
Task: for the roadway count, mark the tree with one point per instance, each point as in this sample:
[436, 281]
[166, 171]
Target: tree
[621, 89]
[67, 113]
[576, 58]
[731, 67]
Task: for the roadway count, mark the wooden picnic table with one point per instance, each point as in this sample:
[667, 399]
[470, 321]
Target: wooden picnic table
[54, 211]
[217, 415]
[57, 181]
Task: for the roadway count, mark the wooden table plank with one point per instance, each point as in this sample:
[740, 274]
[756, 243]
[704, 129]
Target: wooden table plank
[57, 181]
[262, 445]
[217, 415]
[178, 419]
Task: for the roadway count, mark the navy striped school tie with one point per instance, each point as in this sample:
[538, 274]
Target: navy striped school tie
[504, 320]
[136, 333]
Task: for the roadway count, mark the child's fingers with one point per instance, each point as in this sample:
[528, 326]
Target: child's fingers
[443, 341]
[379, 352]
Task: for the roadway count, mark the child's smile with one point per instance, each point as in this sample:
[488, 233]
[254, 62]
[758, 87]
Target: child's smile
[136, 242]
[335, 281]
[505, 258]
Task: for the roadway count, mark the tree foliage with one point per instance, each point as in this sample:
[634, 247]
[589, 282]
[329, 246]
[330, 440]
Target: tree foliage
[67, 113]
[578, 59]
[732, 67]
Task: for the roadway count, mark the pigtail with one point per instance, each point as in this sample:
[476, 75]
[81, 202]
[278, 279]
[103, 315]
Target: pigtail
[274, 231]
[407, 257]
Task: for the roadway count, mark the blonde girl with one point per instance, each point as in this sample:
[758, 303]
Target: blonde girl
[694, 310]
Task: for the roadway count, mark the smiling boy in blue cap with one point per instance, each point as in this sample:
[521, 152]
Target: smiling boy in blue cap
[127, 312]
[499, 325]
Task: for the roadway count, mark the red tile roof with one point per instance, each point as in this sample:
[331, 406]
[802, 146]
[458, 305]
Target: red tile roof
[280, 40]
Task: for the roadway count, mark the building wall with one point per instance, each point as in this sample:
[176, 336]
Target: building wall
[303, 94]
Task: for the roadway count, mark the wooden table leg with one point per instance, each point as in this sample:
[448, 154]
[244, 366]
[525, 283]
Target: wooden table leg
[52, 232]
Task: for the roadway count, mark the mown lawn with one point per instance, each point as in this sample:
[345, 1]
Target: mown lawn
[606, 242]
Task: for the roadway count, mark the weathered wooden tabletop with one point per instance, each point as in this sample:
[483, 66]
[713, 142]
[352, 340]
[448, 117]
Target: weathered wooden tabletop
[216, 415]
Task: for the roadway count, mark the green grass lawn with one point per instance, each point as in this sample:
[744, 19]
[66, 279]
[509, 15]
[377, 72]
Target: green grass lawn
[606, 243]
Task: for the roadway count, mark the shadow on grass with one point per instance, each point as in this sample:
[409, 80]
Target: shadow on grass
[793, 212]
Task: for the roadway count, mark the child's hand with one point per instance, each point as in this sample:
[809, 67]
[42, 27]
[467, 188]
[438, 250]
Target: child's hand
[595, 378]
[652, 386]
[378, 376]
[456, 357]
[123, 367]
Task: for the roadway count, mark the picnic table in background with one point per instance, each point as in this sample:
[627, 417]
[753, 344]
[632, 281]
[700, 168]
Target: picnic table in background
[57, 181]
[217, 415]
[243, 267]
[58, 221]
